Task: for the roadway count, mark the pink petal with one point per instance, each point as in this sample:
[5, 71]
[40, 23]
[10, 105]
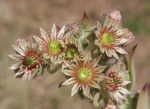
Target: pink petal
[53, 32]
[115, 14]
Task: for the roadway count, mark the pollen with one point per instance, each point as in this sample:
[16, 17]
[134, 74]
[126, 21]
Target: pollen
[108, 39]
[70, 52]
[84, 74]
[30, 61]
[54, 46]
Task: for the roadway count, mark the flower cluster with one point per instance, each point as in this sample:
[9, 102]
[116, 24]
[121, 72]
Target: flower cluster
[90, 57]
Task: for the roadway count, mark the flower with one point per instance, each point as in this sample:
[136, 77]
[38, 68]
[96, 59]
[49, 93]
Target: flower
[111, 37]
[72, 47]
[52, 45]
[84, 74]
[116, 83]
[73, 50]
[29, 57]
[114, 14]
[73, 28]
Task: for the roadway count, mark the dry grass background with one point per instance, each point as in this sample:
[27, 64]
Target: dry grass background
[21, 18]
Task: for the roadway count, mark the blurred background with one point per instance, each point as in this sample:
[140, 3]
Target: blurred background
[22, 18]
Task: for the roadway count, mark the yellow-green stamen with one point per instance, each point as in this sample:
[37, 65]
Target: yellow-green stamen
[70, 52]
[108, 39]
[54, 46]
[30, 61]
[115, 81]
[84, 74]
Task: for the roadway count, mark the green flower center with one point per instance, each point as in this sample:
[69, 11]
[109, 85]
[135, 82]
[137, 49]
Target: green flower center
[115, 81]
[70, 53]
[108, 39]
[30, 61]
[54, 46]
[84, 74]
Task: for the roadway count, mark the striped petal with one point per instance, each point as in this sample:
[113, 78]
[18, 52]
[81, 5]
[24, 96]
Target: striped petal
[18, 50]
[95, 100]
[124, 91]
[66, 72]
[99, 26]
[53, 31]
[100, 68]
[37, 39]
[68, 81]
[121, 51]
[14, 56]
[44, 34]
[15, 66]
[95, 85]
[61, 32]
[86, 92]
[74, 89]
[96, 60]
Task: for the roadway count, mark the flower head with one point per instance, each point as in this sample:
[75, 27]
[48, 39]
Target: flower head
[116, 83]
[73, 51]
[29, 59]
[52, 45]
[83, 75]
[72, 48]
[111, 37]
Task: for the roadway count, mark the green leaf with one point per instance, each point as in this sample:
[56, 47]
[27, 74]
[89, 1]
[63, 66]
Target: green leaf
[85, 21]
[131, 103]
[130, 65]
[144, 97]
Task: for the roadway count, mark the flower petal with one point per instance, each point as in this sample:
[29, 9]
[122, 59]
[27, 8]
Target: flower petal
[121, 51]
[115, 14]
[61, 32]
[95, 85]
[15, 66]
[125, 83]
[118, 99]
[44, 34]
[95, 100]
[74, 89]
[18, 50]
[68, 81]
[37, 39]
[86, 92]
[67, 72]
[18, 73]
[100, 68]
[53, 31]
[101, 78]
[130, 37]
[14, 56]
[124, 91]
[96, 60]
[121, 96]
[115, 55]
[99, 26]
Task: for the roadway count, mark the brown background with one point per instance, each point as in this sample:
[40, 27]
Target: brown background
[21, 18]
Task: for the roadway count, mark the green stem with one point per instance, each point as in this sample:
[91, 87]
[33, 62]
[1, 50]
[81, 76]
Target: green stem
[55, 69]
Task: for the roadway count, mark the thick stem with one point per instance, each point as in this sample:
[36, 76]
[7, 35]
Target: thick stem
[54, 70]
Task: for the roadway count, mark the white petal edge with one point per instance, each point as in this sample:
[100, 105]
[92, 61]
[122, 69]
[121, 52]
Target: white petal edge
[15, 66]
[68, 82]
[74, 89]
